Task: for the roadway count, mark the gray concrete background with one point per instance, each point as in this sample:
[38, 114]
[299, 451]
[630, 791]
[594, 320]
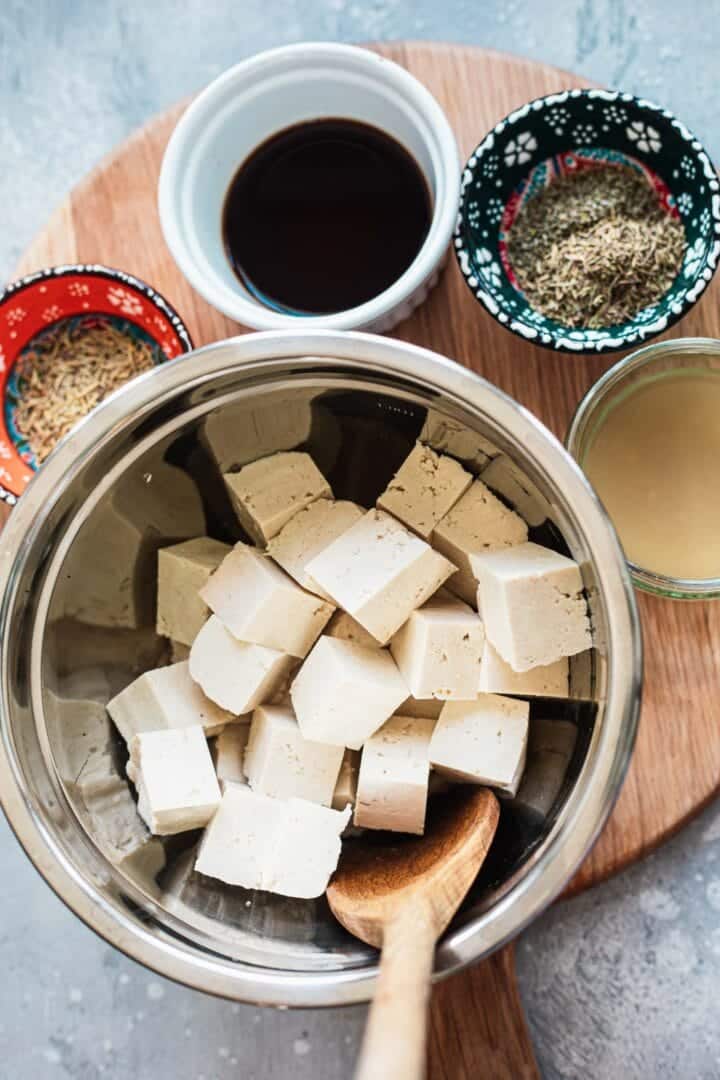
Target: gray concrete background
[624, 981]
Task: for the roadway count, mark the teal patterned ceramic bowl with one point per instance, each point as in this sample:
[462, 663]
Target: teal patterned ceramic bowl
[563, 133]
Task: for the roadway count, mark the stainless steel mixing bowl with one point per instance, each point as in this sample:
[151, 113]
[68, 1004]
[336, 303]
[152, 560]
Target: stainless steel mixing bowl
[77, 574]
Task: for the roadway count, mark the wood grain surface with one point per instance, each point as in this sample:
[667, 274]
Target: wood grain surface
[111, 218]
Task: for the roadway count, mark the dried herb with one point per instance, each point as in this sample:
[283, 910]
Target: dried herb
[67, 371]
[596, 247]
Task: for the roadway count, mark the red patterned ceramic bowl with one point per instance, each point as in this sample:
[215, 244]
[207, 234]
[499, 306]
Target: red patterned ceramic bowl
[34, 304]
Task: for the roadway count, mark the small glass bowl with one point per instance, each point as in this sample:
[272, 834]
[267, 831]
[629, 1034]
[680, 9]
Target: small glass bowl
[699, 355]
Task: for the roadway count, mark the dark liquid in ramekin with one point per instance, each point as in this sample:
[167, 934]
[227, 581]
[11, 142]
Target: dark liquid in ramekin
[324, 216]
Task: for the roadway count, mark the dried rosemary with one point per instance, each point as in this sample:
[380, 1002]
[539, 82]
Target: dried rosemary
[595, 248]
[67, 371]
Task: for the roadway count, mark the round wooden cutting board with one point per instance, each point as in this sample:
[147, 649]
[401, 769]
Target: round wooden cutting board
[478, 1027]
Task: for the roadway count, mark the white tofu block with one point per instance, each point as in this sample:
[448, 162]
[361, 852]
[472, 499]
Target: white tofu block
[257, 842]
[344, 692]
[183, 569]
[394, 775]
[477, 523]
[166, 698]
[429, 708]
[175, 778]
[345, 628]
[105, 575]
[307, 534]
[379, 572]
[236, 675]
[229, 753]
[446, 434]
[281, 763]
[505, 477]
[547, 680]
[260, 604]
[268, 492]
[439, 648]
[482, 741]
[533, 605]
[345, 792]
[425, 487]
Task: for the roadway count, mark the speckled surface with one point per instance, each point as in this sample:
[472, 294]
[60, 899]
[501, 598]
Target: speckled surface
[624, 981]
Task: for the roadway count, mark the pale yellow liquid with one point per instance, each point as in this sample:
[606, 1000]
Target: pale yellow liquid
[655, 463]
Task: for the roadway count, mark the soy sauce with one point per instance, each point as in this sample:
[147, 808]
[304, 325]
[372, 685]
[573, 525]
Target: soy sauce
[324, 216]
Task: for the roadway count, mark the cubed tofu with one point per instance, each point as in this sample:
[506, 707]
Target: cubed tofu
[509, 480]
[439, 648]
[288, 847]
[477, 523]
[105, 575]
[308, 533]
[533, 605]
[268, 492]
[280, 762]
[175, 778]
[446, 434]
[167, 697]
[234, 674]
[425, 487]
[344, 692]
[260, 604]
[229, 753]
[379, 572]
[345, 628]
[394, 774]
[482, 741]
[183, 569]
[243, 432]
[497, 677]
[345, 792]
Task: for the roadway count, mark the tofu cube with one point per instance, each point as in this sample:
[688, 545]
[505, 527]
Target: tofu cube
[379, 572]
[477, 523]
[438, 650]
[547, 680]
[509, 480]
[166, 698]
[183, 570]
[533, 605]
[446, 434]
[482, 741]
[280, 762]
[394, 775]
[345, 792]
[175, 778]
[344, 692]
[345, 628]
[229, 754]
[236, 675]
[425, 487]
[260, 604]
[307, 534]
[288, 847]
[268, 492]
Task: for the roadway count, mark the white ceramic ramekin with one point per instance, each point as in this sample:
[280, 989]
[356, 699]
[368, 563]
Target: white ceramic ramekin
[264, 95]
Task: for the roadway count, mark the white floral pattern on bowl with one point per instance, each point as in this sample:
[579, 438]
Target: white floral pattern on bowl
[605, 125]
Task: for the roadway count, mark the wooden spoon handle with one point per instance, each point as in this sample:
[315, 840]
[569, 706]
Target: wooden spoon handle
[396, 1032]
[478, 1027]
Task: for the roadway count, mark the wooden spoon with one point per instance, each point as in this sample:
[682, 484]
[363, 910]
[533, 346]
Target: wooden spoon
[400, 897]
